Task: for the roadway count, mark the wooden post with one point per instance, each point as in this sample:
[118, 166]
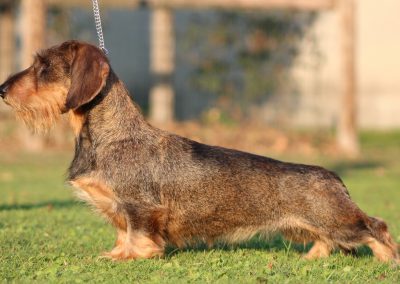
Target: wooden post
[7, 41]
[7, 45]
[33, 25]
[162, 65]
[347, 125]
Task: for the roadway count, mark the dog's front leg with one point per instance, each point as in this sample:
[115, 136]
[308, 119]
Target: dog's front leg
[119, 246]
[142, 237]
[103, 199]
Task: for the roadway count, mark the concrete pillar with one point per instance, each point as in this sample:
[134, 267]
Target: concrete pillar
[347, 128]
[33, 26]
[7, 45]
[162, 65]
[7, 41]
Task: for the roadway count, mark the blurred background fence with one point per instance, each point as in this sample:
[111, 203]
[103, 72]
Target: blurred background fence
[291, 64]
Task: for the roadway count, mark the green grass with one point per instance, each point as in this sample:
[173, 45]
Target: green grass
[46, 236]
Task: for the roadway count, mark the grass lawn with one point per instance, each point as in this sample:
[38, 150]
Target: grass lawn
[46, 236]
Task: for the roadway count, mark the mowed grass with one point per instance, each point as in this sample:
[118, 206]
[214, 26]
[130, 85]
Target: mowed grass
[47, 236]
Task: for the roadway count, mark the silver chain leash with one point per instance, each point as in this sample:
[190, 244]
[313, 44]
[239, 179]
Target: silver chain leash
[99, 29]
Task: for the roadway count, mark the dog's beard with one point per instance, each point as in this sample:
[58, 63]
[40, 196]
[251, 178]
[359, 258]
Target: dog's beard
[39, 115]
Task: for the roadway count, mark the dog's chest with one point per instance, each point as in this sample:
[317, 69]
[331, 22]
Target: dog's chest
[96, 193]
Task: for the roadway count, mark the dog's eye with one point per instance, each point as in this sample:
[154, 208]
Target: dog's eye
[41, 65]
[42, 69]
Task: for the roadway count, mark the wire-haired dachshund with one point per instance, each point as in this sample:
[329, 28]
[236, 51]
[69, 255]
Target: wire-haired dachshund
[158, 188]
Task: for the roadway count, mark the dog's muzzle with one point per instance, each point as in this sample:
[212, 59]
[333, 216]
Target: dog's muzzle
[3, 90]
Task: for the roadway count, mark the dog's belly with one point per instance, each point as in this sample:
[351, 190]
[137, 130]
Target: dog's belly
[230, 221]
[185, 232]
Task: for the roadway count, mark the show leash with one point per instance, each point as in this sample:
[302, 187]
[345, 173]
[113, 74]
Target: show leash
[99, 29]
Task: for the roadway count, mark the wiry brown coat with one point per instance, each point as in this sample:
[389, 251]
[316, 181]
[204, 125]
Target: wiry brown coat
[158, 188]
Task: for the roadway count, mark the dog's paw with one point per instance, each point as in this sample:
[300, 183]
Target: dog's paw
[118, 256]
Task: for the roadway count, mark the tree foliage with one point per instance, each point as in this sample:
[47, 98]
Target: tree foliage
[243, 58]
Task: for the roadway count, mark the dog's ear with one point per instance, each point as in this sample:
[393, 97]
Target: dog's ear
[89, 72]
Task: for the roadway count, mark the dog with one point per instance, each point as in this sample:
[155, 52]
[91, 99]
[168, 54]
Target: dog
[158, 188]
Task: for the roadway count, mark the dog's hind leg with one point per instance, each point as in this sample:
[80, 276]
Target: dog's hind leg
[368, 231]
[380, 241]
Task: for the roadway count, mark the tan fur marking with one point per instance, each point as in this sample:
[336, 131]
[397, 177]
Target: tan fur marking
[137, 245]
[382, 252]
[119, 245]
[76, 121]
[38, 108]
[102, 198]
[320, 249]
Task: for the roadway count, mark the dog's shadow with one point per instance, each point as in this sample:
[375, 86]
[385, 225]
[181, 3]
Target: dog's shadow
[273, 244]
[50, 204]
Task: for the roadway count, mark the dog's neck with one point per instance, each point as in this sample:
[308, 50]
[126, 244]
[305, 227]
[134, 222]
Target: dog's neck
[111, 116]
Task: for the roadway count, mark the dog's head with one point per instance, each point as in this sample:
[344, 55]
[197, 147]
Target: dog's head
[61, 78]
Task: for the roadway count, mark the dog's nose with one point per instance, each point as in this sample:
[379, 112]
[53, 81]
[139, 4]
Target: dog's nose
[3, 90]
